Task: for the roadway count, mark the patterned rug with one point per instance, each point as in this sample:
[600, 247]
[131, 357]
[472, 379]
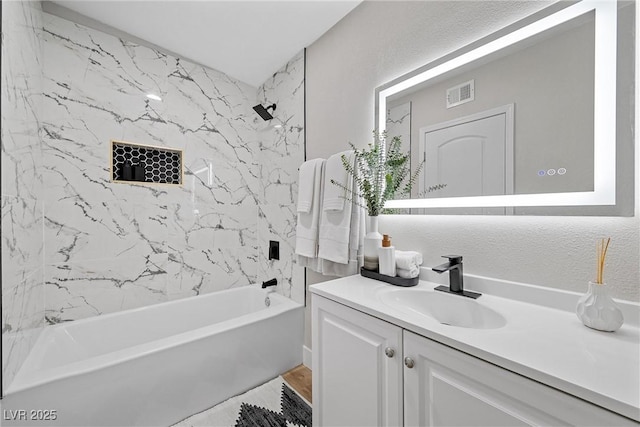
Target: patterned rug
[273, 404]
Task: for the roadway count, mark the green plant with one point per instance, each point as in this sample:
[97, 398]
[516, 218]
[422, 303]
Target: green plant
[382, 172]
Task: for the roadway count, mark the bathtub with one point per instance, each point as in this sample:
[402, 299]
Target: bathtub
[155, 365]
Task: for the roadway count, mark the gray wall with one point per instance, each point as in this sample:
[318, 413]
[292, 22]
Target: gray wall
[552, 130]
[380, 41]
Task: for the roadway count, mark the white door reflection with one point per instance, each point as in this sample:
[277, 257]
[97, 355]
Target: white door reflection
[472, 155]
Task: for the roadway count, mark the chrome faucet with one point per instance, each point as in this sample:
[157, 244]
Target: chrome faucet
[456, 278]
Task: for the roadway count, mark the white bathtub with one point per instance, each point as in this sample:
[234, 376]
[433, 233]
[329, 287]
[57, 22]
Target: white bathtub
[155, 365]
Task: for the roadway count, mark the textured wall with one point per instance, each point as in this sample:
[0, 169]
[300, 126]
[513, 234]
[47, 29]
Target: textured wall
[379, 41]
[22, 243]
[281, 153]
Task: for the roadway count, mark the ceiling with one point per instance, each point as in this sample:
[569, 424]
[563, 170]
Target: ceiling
[248, 40]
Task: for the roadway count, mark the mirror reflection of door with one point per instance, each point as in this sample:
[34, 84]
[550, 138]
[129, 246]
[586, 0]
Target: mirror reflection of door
[472, 155]
[399, 124]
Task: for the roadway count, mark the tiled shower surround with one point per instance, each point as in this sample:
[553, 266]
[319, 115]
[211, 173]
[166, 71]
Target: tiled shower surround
[22, 243]
[114, 246]
[281, 153]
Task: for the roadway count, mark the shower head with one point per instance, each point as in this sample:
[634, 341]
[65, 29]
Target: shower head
[264, 112]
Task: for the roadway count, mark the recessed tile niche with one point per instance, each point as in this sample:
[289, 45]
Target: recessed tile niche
[132, 162]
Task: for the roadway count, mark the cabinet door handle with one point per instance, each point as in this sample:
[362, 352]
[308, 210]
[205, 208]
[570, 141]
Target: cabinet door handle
[389, 352]
[409, 363]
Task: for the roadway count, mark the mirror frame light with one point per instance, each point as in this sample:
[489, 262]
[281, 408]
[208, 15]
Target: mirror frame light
[604, 165]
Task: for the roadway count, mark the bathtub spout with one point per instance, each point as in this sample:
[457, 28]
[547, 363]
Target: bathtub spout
[272, 282]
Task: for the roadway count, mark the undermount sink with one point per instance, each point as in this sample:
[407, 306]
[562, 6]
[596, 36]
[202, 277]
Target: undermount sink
[447, 309]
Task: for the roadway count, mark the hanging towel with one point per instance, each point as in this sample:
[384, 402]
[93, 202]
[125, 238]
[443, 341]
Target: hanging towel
[356, 245]
[307, 184]
[408, 259]
[314, 264]
[307, 227]
[335, 195]
[335, 225]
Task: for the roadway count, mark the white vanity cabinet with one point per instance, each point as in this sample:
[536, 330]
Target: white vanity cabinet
[357, 368]
[367, 371]
[446, 387]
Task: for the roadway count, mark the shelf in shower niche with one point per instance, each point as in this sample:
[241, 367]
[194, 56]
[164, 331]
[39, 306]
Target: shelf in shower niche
[145, 164]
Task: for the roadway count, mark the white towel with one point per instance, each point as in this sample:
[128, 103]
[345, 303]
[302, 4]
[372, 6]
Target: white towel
[314, 264]
[307, 228]
[356, 246]
[408, 259]
[334, 195]
[307, 184]
[335, 226]
[408, 273]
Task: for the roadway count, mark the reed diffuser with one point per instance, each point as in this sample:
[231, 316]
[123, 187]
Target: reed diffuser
[601, 248]
[596, 309]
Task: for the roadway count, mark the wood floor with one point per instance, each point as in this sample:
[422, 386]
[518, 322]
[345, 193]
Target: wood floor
[299, 378]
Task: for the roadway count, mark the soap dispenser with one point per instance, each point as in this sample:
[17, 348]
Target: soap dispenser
[127, 171]
[387, 257]
[139, 173]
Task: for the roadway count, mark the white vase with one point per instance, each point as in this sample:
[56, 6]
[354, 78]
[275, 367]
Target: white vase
[597, 310]
[372, 241]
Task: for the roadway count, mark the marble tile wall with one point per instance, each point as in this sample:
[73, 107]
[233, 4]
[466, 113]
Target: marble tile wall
[113, 246]
[21, 193]
[80, 245]
[281, 153]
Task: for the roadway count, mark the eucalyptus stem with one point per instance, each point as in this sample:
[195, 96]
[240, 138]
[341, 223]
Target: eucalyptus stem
[381, 172]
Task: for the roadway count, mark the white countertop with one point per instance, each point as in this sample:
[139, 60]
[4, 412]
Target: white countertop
[545, 344]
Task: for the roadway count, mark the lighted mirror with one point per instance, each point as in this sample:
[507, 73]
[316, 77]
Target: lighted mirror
[527, 118]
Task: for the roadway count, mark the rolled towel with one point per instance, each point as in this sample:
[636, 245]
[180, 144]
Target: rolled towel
[408, 273]
[408, 259]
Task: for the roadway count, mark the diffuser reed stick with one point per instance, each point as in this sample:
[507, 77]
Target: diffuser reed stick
[601, 247]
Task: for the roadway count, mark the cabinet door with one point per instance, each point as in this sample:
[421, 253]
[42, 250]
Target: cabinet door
[447, 387]
[357, 368]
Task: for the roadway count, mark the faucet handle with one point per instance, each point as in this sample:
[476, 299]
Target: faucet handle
[453, 259]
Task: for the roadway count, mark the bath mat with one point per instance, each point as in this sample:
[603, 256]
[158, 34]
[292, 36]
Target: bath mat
[273, 404]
